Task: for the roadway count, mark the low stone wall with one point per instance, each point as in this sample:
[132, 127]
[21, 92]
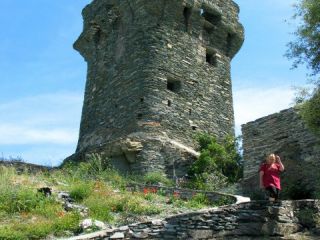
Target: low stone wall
[285, 134]
[252, 220]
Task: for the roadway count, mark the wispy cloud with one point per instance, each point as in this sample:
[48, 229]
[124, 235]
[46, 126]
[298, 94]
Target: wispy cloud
[52, 118]
[16, 135]
[251, 104]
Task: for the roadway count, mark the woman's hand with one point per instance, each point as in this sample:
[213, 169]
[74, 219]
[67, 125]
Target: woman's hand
[278, 160]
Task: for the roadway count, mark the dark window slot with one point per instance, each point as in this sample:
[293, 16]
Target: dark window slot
[211, 58]
[174, 85]
[187, 11]
[213, 18]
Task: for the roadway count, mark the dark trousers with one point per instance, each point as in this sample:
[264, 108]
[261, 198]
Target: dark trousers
[273, 192]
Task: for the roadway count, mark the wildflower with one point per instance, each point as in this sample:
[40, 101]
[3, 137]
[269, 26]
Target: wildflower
[145, 191]
[176, 194]
[61, 214]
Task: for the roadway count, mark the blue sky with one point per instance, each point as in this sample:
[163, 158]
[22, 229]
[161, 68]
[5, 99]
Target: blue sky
[42, 78]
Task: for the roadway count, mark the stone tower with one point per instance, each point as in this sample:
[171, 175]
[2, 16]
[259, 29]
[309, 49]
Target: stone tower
[158, 72]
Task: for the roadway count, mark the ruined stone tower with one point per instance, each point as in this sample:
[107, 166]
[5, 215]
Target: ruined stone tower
[158, 72]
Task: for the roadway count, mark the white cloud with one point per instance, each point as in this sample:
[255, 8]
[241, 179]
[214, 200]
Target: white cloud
[52, 118]
[251, 104]
[16, 135]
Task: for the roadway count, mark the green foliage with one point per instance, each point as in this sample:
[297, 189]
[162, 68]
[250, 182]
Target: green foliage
[40, 228]
[198, 201]
[218, 163]
[223, 200]
[305, 49]
[26, 214]
[309, 218]
[208, 181]
[99, 208]
[96, 167]
[68, 222]
[102, 204]
[310, 112]
[154, 178]
[15, 199]
[80, 191]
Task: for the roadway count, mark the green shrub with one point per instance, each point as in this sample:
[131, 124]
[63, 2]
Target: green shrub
[114, 178]
[69, 222]
[198, 201]
[155, 178]
[20, 199]
[7, 233]
[93, 167]
[223, 200]
[80, 191]
[310, 112]
[138, 205]
[216, 160]
[96, 167]
[99, 209]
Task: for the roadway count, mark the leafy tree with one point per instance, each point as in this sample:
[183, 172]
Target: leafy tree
[310, 112]
[220, 160]
[306, 50]
[306, 47]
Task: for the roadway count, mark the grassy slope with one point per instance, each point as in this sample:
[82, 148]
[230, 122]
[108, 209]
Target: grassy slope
[26, 214]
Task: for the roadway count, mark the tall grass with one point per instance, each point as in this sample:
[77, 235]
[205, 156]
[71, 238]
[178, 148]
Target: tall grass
[27, 214]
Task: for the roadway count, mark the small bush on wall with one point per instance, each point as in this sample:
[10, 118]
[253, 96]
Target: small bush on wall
[218, 164]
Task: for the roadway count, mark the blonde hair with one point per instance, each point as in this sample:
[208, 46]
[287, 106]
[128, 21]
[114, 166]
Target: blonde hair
[272, 155]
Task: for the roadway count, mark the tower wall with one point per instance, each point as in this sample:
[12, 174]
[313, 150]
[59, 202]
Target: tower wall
[158, 72]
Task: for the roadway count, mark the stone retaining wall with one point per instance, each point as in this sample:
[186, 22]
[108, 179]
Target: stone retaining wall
[252, 220]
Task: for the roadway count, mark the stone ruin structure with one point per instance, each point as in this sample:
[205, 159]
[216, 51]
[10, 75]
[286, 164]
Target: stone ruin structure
[158, 72]
[286, 134]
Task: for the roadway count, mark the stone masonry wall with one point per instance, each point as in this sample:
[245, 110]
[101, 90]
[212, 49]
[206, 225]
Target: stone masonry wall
[286, 134]
[252, 220]
[158, 72]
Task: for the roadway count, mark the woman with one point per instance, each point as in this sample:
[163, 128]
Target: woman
[270, 176]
